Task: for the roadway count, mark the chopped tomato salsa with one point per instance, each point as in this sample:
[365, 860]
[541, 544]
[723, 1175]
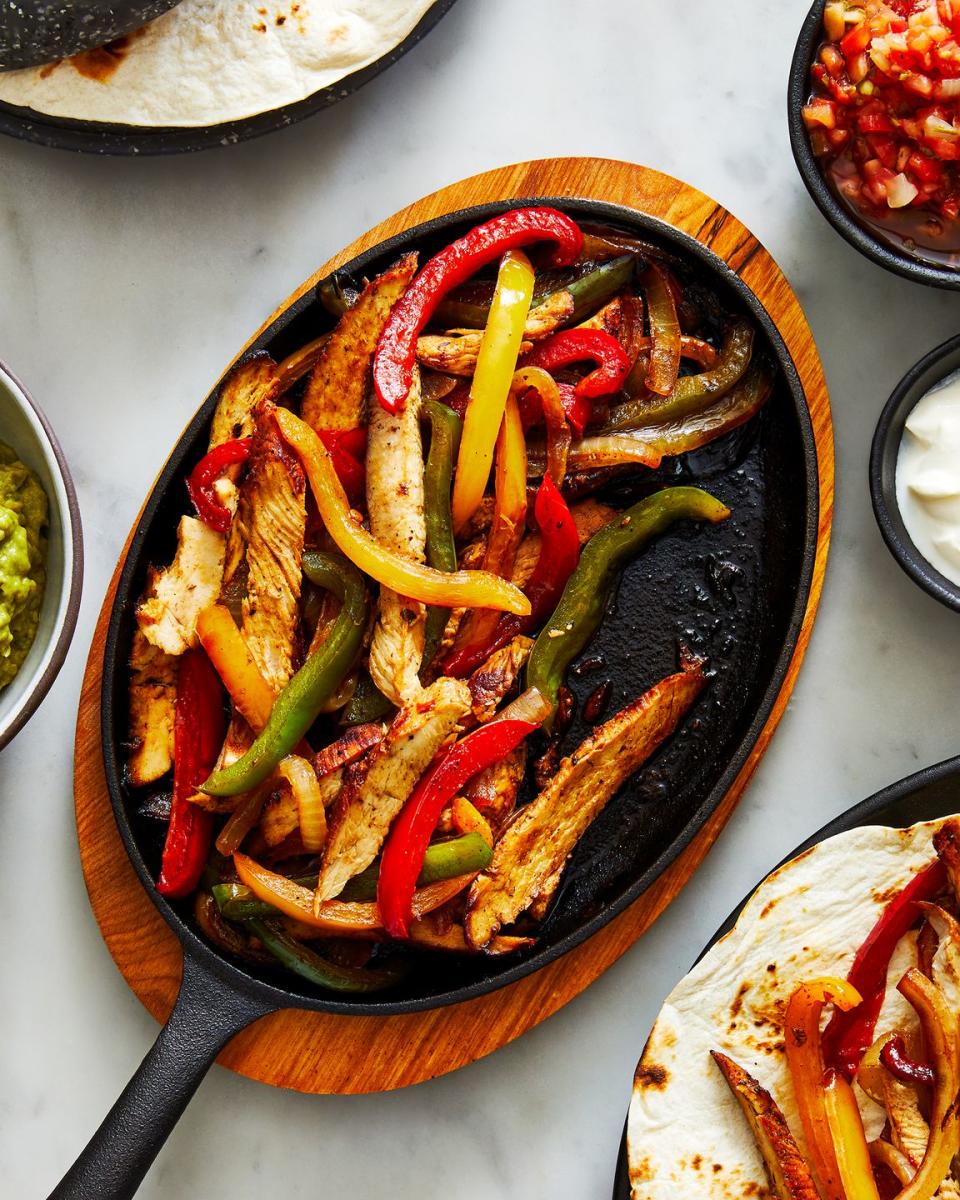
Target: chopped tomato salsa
[884, 116]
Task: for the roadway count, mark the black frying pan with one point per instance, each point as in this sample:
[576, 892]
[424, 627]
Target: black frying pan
[42, 30]
[95, 137]
[735, 592]
[928, 795]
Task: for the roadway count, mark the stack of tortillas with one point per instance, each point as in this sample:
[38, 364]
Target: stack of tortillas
[210, 61]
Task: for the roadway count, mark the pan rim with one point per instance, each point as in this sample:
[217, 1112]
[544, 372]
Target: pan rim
[585, 209]
[146, 141]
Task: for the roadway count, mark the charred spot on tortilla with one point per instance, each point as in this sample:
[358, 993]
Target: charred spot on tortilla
[737, 1004]
[652, 1075]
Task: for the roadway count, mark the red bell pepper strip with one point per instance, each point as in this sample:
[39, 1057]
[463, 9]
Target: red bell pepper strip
[578, 345]
[205, 474]
[579, 409]
[198, 730]
[397, 349]
[850, 1034]
[894, 1057]
[409, 837]
[348, 448]
[559, 555]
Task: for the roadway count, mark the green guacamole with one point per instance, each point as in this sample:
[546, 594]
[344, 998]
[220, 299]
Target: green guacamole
[23, 551]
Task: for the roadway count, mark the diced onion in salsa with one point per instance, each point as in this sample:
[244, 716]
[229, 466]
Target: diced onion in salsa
[884, 116]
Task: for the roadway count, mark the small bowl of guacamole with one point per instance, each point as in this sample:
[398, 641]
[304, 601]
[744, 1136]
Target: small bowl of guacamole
[41, 556]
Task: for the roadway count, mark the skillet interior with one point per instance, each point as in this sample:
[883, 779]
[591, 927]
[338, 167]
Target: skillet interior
[736, 592]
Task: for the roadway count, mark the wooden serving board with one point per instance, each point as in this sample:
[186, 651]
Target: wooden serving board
[314, 1052]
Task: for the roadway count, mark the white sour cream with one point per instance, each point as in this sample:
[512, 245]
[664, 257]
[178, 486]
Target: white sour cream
[928, 477]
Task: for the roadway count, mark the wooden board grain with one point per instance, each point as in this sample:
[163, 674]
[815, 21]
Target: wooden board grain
[314, 1052]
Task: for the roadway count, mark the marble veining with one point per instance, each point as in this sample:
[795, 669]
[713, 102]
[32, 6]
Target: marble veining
[124, 288]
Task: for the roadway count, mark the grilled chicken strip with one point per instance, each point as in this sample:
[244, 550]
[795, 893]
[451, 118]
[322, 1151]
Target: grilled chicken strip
[336, 392]
[491, 681]
[273, 517]
[540, 839]
[245, 386]
[395, 505]
[789, 1174]
[455, 353]
[174, 597]
[360, 821]
[493, 792]
[153, 696]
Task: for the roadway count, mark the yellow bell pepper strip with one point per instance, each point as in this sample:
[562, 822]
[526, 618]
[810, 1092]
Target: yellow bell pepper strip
[454, 589]
[306, 791]
[230, 655]
[849, 1140]
[397, 347]
[506, 530]
[339, 918]
[942, 1041]
[806, 1064]
[496, 363]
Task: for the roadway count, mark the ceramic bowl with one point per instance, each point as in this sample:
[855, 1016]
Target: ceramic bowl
[842, 218]
[933, 367]
[24, 427]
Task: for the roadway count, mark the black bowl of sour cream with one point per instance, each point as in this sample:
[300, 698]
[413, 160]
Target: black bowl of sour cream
[915, 473]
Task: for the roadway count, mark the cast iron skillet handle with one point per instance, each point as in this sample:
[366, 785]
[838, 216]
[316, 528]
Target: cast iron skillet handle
[207, 1014]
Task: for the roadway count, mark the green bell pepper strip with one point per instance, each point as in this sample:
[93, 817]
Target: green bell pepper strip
[302, 700]
[443, 860]
[303, 961]
[692, 393]
[366, 704]
[589, 292]
[583, 603]
[445, 430]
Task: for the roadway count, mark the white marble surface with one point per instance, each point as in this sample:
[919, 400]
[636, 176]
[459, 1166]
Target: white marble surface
[124, 288]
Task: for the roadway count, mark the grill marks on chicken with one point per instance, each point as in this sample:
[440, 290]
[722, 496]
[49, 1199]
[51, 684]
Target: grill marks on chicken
[540, 839]
[273, 517]
[176, 595]
[152, 698]
[396, 506]
[336, 394]
[359, 824]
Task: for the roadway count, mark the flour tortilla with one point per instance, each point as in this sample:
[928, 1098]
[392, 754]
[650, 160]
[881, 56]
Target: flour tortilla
[687, 1137]
[210, 61]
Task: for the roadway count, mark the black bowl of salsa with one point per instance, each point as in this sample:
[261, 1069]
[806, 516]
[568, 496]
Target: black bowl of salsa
[920, 240]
